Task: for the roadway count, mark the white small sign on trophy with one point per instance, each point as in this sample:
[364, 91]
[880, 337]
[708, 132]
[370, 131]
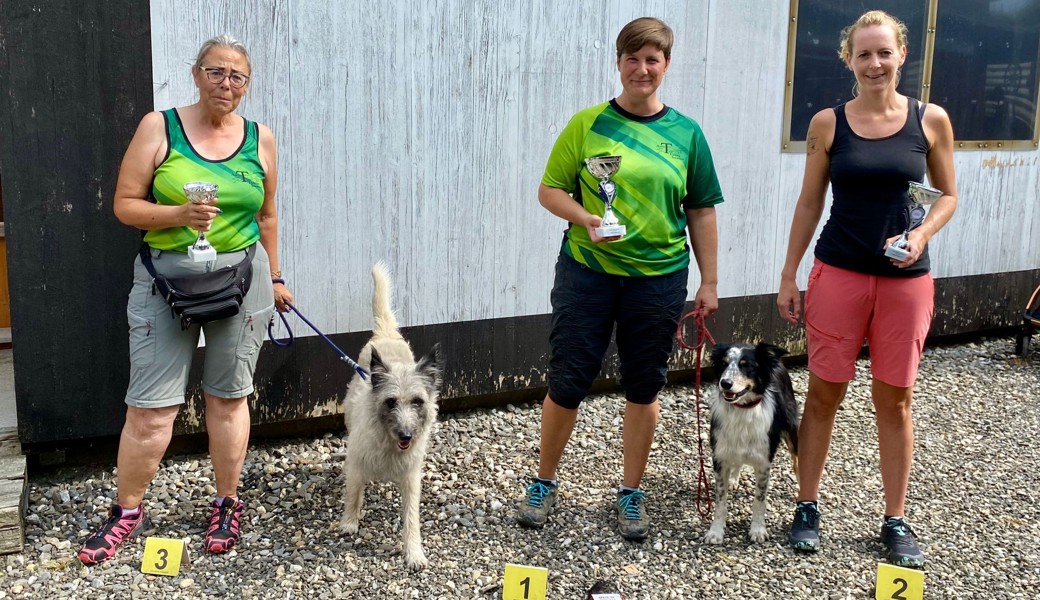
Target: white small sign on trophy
[921, 195]
[603, 167]
[201, 192]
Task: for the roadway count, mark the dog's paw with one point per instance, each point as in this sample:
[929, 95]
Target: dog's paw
[758, 534]
[415, 559]
[714, 536]
[348, 525]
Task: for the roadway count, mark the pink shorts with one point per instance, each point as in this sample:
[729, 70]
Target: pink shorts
[842, 308]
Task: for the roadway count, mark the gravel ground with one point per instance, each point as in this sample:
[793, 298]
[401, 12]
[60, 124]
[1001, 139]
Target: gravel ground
[973, 501]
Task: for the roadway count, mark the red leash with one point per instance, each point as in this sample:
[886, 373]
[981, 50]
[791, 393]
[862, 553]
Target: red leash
[703, 486]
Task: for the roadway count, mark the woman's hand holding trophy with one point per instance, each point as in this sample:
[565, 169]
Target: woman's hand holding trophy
[921, 195]
[201, 193]
[602, 167]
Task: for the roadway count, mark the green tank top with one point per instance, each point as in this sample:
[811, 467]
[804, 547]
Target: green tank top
[240, 178]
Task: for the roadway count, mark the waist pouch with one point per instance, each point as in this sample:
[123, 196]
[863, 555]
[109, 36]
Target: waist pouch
[204, 297]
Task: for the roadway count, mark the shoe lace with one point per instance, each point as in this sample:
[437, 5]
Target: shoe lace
[900, 528]
[630, 503]
[808, 516]
[105, 528]
[226, 514]
[112, 523]
[536, 493]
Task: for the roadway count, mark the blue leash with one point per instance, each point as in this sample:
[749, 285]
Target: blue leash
[288, 341]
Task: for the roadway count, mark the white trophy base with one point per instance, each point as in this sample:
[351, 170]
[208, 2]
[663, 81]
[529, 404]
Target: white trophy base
[203, 254]
[896, 252]
[610, 231]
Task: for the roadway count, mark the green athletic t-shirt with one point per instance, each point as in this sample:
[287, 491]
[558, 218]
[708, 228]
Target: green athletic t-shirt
[240, 194]
[666, 168]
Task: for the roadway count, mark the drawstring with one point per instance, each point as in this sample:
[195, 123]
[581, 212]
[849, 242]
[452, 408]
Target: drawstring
[285, 344]
[704, 506]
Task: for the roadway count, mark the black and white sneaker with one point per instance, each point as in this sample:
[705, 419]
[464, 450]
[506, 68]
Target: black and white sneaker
[901, 543]
[805, 529]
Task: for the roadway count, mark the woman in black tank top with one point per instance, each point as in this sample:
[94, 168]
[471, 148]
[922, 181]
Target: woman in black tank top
[869, 149]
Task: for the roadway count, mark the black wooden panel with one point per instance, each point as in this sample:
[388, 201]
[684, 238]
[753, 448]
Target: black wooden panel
[75, 77]
[492, 362]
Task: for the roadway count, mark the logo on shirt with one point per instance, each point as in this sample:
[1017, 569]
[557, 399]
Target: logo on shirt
[250, 176]
[670, 149]
[254, 179]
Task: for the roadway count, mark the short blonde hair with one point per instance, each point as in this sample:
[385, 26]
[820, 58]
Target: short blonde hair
[869, 19]
[223, 41]
[643, 31]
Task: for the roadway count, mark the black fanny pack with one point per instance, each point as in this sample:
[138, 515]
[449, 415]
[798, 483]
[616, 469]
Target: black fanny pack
[204, 297]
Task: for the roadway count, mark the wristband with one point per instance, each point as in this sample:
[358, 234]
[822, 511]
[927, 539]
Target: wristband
[277, 280]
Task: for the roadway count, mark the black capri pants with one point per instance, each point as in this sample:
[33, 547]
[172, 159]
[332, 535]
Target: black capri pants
[587, 306]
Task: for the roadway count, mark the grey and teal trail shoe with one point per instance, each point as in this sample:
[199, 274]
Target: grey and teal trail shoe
[538, 501]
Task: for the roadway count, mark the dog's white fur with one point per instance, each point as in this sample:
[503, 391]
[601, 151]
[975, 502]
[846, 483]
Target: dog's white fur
[750, 415]
[389, 420]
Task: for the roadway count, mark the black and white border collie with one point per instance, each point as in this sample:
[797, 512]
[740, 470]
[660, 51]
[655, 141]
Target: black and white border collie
[753, 411]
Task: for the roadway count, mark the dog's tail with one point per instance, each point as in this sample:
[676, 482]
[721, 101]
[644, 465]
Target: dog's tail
[382, 295]
[790, 439]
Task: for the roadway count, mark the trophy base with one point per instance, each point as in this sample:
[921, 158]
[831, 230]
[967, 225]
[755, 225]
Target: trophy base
[204, 254]
[611, 231]
[893, 251]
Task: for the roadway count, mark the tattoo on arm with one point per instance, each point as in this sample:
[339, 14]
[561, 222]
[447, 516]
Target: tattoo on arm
[810, 145]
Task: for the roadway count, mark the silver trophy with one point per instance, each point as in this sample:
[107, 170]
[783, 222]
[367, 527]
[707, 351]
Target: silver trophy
[201, 192]
[921, 195]
[603, 167]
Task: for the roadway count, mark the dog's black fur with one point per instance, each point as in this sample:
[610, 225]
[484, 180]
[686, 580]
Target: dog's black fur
[752, 413]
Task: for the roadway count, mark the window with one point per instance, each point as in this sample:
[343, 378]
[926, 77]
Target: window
[975, 58]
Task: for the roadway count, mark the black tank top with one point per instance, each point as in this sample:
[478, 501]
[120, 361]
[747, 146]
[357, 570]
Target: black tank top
[869, 181]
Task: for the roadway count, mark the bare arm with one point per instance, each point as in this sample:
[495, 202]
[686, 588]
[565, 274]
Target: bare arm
[560, 203]
[807, 212]
[704, 239]
[941, 175]
[131, 204]
[267, 218]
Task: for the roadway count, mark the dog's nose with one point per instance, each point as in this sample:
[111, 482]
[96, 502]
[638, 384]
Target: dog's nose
[405, 437]
[725, 384]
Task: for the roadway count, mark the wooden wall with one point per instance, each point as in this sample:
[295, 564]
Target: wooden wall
[74, 76]
[415, 133]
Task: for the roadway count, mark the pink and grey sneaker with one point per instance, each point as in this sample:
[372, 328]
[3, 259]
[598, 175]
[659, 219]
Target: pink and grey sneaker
[223, 532]
[103, 543]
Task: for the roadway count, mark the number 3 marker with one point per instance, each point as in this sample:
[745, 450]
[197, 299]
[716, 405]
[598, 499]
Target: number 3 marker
[164, 556]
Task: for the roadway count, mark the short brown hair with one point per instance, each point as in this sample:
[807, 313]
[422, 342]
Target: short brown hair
[643, 31]
[869, 19]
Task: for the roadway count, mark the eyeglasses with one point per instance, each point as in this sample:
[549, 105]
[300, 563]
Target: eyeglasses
[217, 75]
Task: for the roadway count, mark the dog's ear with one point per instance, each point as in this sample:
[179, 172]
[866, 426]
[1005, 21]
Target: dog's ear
[767, 349]
[718, 357]
[429, 366]
[377, 369]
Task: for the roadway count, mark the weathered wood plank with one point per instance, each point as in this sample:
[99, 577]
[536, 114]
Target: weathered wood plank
[12, 511]
[12, 467]
[9, 443]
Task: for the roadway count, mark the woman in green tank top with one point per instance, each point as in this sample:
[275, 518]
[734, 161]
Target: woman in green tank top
[205, 141]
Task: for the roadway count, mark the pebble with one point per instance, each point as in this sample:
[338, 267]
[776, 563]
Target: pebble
[972, 501]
